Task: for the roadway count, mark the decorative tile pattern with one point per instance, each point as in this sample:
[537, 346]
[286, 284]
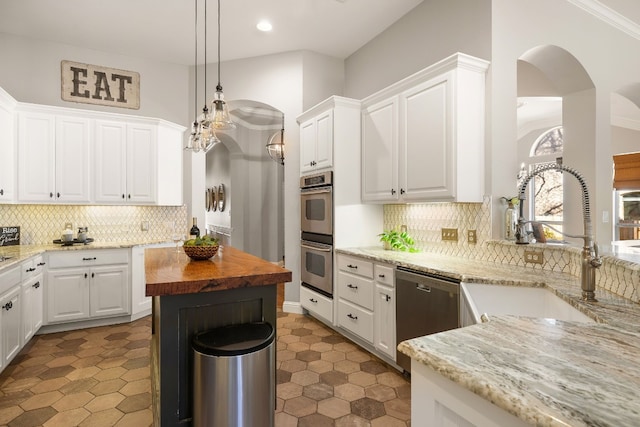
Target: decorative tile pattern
[41, 224]
[100, 377]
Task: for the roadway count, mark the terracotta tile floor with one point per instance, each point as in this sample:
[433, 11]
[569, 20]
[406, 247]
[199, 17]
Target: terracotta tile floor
[100, 377]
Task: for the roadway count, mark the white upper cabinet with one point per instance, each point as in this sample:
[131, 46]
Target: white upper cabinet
[81, 157]
[423, 137]
[316, 142]
[7, 148]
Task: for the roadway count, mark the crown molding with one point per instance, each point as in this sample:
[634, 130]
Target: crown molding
[609, 16]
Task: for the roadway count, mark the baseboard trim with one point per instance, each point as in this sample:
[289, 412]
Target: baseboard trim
[292, 307]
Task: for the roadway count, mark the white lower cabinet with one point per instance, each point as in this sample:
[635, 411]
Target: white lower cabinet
[10, 319]
[33, 309]
[87, 284]
[319, 305]
[385, 311]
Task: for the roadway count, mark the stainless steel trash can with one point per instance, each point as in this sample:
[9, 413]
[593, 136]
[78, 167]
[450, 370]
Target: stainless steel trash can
[234, 376]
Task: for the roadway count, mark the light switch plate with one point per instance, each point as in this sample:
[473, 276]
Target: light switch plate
[144, 226]
[450, 234]
[534, 257]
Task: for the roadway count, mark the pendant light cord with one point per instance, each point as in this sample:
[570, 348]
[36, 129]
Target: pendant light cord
[195, 61]
[219, 87]
[205, 53]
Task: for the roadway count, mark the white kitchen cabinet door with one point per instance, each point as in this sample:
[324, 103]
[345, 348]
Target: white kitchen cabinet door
[380, 152]
[73, 145]
[141, 163]
[36, 157]
[109, 290]
[67, 294]
[426, 147]
[316, 142]
[110, 162]
[7, 148]
[32, 304]
[140, 302]
[385, 321]
[10, 320]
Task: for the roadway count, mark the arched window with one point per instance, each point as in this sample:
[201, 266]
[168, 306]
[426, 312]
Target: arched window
[546, 193]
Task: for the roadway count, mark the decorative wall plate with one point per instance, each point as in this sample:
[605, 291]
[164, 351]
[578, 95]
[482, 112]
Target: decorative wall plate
[221, 197]
[214, 198]
[207, 199]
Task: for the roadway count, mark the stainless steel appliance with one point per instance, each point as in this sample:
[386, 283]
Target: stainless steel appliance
[425, 304]
[317, 264]
[316, 221]
[316, 203]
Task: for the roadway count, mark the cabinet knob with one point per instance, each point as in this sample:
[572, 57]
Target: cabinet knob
[352, 266]
[381, 276]
[58, 195]
[352, 317]
[1, 192]
[315, 301]
[387, 297]
[350, 286]
[93, 275]
[123, 196]
[86, 275]
[402, 191]
[393, 191]
[36, 285]
[8, 306]
[128, 196]
[51, 195]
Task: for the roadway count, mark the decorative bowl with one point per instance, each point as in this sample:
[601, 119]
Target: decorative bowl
[200, 253]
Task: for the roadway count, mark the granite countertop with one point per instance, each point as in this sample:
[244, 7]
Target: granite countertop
[546, 372]
[173, 273]
[19, 253]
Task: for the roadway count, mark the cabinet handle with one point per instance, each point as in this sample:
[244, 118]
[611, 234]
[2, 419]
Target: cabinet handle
[393, 191]
[1, 192]
[85, 275]
[29, 270]
[51, 195]
[423, 288]
[386, 297]
[36, 285]
[58, 195]
[93, 275]
[381, 276]
[123, 196]
[352, 266]
[350, 286]
[352, 317]
[402, 191]
[128, 196]
[89, 259]
[315, 301]
[8, 306]
[40, 264]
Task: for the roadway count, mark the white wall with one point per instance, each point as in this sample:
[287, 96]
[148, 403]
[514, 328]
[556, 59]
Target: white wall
[624, 140]
[433, 30]
[323, 76]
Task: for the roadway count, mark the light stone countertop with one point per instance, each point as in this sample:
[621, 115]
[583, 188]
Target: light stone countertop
[19, 253]
[546, 372]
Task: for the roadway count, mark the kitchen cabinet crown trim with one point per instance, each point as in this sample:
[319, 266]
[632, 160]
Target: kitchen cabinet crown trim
[331, 102]
[456, 61]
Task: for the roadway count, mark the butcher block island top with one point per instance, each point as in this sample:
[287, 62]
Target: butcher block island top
[189, 297]
[169, 272]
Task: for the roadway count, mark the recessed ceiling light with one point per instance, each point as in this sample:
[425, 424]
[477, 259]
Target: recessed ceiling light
[264, 25]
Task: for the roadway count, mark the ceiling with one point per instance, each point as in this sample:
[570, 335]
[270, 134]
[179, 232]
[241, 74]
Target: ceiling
[164, 29]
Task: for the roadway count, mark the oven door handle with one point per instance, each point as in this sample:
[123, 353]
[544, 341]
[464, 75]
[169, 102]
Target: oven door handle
[312, 191]
[323, 248]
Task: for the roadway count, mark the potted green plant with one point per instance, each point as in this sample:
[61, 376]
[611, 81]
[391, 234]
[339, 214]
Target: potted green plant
[397, 241]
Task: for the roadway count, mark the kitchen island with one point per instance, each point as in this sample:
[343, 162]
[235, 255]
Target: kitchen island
[189, 296]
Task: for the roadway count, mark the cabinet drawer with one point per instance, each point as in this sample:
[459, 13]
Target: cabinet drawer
[384, 274]
[317, 304]
[87, 258]
[355, 289]
[32, 267]
[9, 277]
[356, 266]
[356, 319]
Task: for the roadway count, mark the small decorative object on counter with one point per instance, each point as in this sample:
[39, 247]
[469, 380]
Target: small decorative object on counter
[195, 231]
[10, 236]
[511, 217]
[200, 249]
[398, 241]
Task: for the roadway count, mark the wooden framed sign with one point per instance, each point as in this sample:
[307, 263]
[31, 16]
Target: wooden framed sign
[93, 84]
[9, 236]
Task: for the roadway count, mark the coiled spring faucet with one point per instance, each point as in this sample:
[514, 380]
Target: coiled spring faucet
[590, 258]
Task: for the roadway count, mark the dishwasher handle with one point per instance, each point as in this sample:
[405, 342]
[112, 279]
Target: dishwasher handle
[426, 283]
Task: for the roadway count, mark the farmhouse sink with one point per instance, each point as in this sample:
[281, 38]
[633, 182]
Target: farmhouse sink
[480, 299]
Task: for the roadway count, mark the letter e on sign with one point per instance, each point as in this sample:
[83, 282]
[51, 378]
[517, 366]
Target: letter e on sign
[93, 84]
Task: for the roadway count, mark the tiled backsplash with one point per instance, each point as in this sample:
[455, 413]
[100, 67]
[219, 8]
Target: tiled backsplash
[41, 224]
[425, 221]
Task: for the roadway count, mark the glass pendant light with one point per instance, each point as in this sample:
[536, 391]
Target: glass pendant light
[219, 108]
[275, 146]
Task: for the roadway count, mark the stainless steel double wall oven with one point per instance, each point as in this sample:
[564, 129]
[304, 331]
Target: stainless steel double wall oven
[316, 221]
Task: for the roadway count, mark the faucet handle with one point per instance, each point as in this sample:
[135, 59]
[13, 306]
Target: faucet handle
[596, 260]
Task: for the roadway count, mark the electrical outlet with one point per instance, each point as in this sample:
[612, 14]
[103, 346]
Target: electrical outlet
[68, 225]
[472, 236]
[144, 226]
[450, 234]
[403, 228]
[534, 257]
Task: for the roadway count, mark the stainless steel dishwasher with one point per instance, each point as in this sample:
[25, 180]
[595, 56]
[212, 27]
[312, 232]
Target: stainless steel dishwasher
[426, 304]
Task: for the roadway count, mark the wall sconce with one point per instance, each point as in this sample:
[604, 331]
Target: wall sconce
[275, 146]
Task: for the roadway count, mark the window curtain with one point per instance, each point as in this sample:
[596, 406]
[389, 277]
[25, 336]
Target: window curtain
[626, 171]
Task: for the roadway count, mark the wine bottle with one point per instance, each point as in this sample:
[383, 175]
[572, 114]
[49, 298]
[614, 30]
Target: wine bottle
[195, 231]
